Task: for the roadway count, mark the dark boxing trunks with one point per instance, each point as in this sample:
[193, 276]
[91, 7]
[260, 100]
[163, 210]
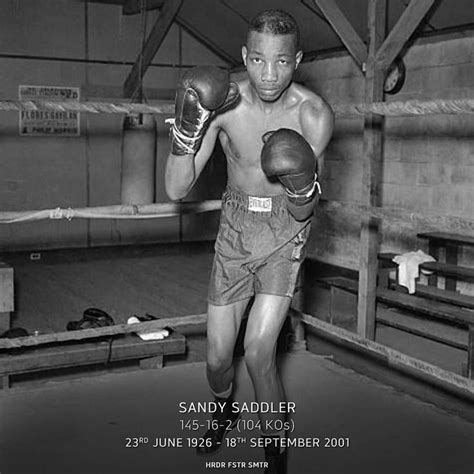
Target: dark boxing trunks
[259, 248]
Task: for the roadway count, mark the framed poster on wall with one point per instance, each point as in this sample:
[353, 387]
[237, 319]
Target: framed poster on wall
[49, 122]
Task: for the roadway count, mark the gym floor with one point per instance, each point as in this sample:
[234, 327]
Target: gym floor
[81, 425]
[86, 425]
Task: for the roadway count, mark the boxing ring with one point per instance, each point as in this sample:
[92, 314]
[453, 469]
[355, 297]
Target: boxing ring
[119, 423]
[462, 221]
[111, 423]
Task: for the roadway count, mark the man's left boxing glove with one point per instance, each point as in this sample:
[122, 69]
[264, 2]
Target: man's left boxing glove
[202, 92]
[287, 156]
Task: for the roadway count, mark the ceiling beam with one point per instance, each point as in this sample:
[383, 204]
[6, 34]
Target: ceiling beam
[110, 2]
[132, 7]
[153, 43]
[344, 30]
[401, 32]
[236, 12]
[310, 7]
[206, 41]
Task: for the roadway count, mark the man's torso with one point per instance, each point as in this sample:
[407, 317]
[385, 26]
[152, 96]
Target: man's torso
[241, 131]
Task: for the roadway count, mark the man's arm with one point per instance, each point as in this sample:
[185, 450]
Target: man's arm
[183, 171]
[292, 158]
[317, 125]
[202, 93]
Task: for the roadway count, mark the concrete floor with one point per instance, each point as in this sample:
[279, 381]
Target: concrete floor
[82, 426]
[76, 425]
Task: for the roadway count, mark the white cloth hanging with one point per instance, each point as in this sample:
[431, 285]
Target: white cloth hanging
[408, 268]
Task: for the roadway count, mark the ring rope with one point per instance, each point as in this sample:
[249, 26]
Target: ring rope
[396, 108]
[133, 211]
[460, 222]
[410, 107]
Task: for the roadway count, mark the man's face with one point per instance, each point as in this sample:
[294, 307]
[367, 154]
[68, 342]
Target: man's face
[271, 61]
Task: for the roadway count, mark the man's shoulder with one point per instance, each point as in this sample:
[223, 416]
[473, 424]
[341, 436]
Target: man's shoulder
[222, 120]
[309, 101]
[312, 107]
[244, 87]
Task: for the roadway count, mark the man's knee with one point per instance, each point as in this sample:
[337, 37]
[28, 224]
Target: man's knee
[223, 325]
[258, 357]
[219, 353]
[219, 357]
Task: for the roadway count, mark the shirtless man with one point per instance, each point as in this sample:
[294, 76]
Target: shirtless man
[266, 209]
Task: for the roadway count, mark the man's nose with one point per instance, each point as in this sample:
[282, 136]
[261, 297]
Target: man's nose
[269, 73]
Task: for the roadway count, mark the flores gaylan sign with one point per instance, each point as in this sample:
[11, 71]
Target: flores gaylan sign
[49, 122]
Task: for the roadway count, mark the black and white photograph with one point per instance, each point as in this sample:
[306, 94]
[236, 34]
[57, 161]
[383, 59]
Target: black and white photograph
[237, 236]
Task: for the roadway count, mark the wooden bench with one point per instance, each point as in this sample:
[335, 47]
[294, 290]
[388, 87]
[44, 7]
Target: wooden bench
[81, 353]
[386, 264]
[450, 243]
[446, 269]
[438, 294]
[438, 312]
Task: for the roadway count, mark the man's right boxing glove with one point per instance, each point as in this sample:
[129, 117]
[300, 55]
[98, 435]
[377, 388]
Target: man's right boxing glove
[288, 157]
[202, 93]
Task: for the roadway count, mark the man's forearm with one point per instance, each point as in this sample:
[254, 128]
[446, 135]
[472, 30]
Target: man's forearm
[179, 176]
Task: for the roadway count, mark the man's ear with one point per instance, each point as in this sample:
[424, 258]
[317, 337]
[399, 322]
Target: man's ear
[244, 54]
[299, 57]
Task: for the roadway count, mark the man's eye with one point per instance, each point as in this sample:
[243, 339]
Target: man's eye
[283, 61]
[256, 60]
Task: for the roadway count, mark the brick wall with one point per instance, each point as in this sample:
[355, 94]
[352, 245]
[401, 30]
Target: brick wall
[428, 161]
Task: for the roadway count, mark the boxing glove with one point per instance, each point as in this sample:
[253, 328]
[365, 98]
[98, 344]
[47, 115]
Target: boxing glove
[288, 157]
[202, 93]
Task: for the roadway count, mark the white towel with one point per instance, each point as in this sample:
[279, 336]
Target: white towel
[408, 268]
[149, 336]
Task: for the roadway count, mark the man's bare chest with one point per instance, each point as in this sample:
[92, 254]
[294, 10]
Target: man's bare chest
[242, 136]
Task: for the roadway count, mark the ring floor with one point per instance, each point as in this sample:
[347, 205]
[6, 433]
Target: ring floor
[85, 425]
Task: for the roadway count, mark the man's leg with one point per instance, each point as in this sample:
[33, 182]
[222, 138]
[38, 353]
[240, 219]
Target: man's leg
[223, 324]
[266, 319]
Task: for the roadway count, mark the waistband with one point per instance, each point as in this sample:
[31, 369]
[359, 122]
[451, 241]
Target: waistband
[259, 205]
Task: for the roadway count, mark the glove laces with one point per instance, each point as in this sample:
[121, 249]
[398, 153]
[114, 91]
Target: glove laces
[310, 193]
[186, 142]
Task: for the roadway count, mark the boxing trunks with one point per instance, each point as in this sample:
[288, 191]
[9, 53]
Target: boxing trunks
[259, 248]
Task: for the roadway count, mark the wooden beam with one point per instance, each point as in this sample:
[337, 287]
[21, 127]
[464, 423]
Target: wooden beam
[91, 333]
[371, 159]
[470, 352]
[401, 32]
[132, 7]
[206, 41]
[344, 30]
[153, 43]
[454, 383]
[109, 2]
[311, 8]
[76, 354]
[6, 295]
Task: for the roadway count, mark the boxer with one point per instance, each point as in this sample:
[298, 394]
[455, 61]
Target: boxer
[273, 132]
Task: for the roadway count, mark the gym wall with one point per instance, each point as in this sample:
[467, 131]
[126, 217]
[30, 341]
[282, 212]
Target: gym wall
[428, 160]
[50, 172]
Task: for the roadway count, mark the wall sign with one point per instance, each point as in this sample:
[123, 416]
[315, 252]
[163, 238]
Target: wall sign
[49, 122]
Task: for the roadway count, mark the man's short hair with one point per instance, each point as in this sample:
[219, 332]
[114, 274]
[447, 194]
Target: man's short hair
[276, 22]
